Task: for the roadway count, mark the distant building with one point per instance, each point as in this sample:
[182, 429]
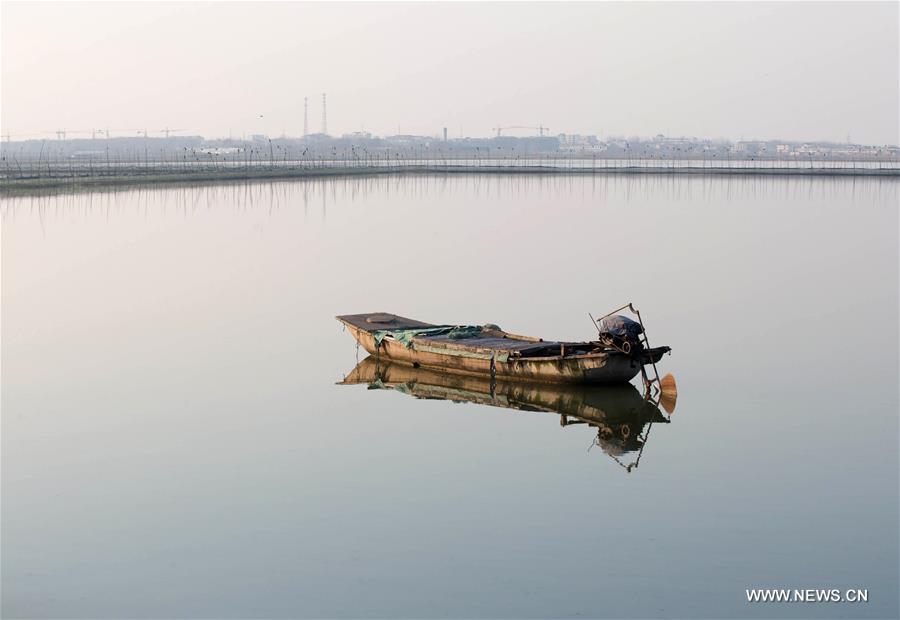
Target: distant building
[577, 139]
[357, 135]
[580, 142]
[408, 139]
[751, 147]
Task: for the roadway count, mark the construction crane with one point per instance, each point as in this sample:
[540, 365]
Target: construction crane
[168, 131]
[540, 128]
[62, 133]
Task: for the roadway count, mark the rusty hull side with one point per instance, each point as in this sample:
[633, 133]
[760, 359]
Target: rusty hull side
[594, 368]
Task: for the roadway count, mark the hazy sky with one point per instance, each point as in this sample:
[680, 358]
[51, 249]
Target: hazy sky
[768, 70]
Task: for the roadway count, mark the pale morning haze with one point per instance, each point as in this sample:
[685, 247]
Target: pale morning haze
[450, 310]
[793, 71]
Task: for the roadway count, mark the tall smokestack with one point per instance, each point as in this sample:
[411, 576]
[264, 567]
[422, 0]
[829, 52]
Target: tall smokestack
[324, 116]
[305, 116]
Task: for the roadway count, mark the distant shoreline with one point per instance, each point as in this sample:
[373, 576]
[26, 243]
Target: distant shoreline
[103, 179]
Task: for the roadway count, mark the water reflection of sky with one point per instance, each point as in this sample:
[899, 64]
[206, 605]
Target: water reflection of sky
[174, 443]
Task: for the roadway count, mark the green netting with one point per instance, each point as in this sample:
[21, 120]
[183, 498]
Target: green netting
[454, 332]
[405, 336]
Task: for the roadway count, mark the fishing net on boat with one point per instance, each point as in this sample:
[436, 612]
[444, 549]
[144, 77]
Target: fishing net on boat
[476, 333]
[405, 336]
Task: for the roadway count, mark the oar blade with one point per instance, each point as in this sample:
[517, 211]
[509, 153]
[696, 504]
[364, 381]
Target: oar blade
[668, 393]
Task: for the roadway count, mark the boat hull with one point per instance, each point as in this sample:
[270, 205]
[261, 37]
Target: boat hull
[594, 368]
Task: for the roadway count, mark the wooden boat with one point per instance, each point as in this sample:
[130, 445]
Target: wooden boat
[619, 413]
[488, 350]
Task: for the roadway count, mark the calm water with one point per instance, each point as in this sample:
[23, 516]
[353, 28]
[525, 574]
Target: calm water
[174, 443]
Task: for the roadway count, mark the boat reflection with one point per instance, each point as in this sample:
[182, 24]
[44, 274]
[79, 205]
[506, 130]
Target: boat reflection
[621, 417]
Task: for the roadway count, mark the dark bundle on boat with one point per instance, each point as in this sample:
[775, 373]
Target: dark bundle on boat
[621, 332]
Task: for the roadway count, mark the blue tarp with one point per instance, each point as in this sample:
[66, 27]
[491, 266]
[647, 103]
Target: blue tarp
[621, 327]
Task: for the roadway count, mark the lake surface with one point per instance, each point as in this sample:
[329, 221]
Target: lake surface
[174, 443]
